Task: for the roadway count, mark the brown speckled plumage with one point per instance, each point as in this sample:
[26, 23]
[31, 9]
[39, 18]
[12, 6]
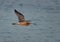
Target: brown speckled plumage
[21, 19]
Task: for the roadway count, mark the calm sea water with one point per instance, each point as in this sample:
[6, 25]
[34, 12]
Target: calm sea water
[44, 14]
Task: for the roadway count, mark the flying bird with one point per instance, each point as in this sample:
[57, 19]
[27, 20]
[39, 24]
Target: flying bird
[21, 19]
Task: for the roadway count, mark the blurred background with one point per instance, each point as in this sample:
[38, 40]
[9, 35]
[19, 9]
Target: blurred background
[45, 14]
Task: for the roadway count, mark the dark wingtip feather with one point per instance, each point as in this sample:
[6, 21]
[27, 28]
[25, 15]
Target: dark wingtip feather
[16, 11]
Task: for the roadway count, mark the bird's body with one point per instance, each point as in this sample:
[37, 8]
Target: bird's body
[21, 19]
[24, 23]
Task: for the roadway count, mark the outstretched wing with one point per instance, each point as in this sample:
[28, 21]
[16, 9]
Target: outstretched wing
[20, 16]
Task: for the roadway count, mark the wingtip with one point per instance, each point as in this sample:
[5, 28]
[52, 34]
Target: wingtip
[15, 10]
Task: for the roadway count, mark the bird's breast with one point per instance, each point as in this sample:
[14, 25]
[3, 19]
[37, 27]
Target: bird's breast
[24, 23]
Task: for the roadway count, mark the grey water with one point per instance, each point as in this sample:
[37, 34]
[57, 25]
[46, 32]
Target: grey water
[44, 14]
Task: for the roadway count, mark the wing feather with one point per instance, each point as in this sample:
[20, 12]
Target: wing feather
[19, 15]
